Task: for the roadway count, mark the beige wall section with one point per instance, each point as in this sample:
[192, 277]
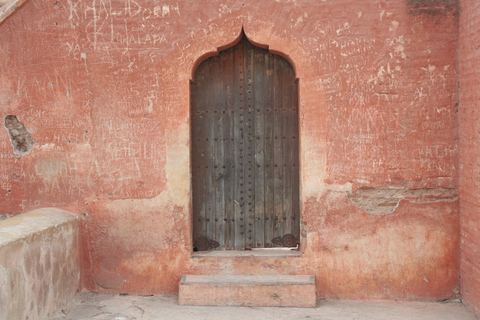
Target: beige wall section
[39, 272]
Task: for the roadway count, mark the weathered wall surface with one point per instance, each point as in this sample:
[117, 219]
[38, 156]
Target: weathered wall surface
[470, 153]
[39, 265]
[102, 87]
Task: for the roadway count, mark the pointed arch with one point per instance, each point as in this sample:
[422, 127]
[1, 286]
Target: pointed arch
[245, 177]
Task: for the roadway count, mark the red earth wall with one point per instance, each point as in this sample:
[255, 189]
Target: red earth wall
[103, 89]
[469, 133]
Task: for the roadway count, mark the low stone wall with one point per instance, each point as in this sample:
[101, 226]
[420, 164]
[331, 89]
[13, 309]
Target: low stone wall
[39, 271]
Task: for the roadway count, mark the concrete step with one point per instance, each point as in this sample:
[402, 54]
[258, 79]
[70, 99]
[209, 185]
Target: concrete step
[247, 290]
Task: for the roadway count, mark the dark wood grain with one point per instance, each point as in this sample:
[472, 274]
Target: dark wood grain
[245, 180]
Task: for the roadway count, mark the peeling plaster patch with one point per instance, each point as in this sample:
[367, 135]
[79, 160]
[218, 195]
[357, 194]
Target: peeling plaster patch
[432, 7]
[430, 3]
[20, 138]
[385, 200]
[335, 187]
[340, 187]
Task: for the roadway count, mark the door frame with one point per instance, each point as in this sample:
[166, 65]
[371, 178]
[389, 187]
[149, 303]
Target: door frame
[298, 146]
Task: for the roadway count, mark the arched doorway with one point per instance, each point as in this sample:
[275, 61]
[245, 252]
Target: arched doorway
[245, 173]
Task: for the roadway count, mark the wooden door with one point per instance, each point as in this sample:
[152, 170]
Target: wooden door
[245, 181]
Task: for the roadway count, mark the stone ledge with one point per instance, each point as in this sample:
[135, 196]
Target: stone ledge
[248, 280]
[25, 226]
[248, 290]
[247, 254]
[39, 268]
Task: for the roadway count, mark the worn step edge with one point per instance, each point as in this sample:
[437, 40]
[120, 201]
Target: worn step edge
[248, 280]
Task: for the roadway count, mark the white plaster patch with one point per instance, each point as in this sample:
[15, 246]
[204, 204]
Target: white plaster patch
[47, 147]
[400, 50]
[394, 26]
[165, 10]
[381, 72]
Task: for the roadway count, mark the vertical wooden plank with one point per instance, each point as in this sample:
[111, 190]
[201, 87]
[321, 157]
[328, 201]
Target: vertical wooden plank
[288, 143]
[218, 110]
[210, 151]
[296, 162]
[239, 201]
[249, 142]
[229, 151]
[278, 147]
[198, 152]
[268, 153]
[194, 119]
[259, 106]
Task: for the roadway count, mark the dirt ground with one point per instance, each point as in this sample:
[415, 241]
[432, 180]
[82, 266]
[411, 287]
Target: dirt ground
[106, 307]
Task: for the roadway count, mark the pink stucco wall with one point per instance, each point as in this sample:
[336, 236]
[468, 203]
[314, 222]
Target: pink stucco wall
[469, 155]
[103, 89]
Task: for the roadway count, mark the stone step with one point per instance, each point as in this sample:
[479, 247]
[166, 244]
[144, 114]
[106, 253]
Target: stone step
[248, 290]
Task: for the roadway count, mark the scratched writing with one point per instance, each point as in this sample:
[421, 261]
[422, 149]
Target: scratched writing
[134, 150]
[49, 167]
[356, 46]
[29, 203]
[437, 151]
[75, 50]
[8, 155]
[139, 39]
[63, 122]
[59, 136]
[333, 28]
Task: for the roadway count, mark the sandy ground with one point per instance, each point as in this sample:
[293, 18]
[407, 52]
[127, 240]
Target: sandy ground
[106, 307]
